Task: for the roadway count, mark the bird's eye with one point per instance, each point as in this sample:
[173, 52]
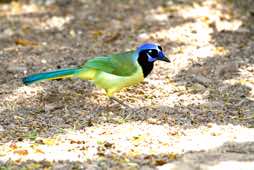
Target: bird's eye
[160, 48]
[153, 53]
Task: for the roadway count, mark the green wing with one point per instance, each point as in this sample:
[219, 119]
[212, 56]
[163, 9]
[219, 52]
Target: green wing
[100, 63]
[118, 64]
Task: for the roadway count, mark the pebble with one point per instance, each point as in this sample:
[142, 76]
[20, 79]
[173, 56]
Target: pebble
[201, 80]
[50, 2]
[1, 128]
[6, 33]
[16, 69]
[230, 68]
[50, 107]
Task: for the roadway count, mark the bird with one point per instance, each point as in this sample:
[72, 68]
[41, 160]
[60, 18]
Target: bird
[110, 72]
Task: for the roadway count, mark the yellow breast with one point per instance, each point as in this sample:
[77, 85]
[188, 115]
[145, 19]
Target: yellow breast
[113, 83]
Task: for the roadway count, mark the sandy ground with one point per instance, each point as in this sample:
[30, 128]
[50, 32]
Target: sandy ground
[194, 113]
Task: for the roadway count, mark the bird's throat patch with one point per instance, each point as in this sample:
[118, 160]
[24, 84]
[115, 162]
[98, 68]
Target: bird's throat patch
[146, 65]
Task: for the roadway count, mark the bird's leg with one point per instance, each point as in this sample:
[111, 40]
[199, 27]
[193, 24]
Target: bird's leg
[130, 110]
[120, 102]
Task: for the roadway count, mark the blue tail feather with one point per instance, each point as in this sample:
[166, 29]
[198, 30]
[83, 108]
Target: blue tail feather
[48, 75]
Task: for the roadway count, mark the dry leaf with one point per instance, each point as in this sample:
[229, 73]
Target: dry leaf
[137, 139]
[172, 156]
[22, 152]
[97, 34]
[13, 146]
[160, 162]
[24, 42]
[49, 141]
[111, 38]
[16, 7]
[39, 151]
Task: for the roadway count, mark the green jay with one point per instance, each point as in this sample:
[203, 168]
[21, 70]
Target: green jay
[111, 72]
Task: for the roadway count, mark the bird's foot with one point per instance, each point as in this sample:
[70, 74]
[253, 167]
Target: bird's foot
[131, 111]
[134, 113]
[121, 102]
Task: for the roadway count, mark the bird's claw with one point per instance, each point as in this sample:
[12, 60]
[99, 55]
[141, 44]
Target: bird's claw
[131, 111]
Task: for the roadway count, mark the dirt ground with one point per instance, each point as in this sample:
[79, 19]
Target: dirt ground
[196, 113]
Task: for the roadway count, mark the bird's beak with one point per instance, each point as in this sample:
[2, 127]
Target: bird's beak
[163, 57]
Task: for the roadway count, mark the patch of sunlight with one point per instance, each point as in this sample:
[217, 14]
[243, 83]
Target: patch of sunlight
[212, 12]
[168, 166]
[196, 45]
[19, 8]
[229, 25]
[233, 165]
[184, 33]
[158, 17]
[131, 139]
[184, 100]
[204, 11]
[171, 94]
[162, 85]
[194, 36]
[56, 22]
[245, 78]
[23, 93]
[160, 13]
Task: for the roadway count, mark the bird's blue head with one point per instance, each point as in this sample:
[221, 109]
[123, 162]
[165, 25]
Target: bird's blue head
[151, 52]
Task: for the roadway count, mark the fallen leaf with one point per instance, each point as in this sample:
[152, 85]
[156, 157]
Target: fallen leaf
[172, 156]
[160, 162]
[24, 42]
[39, 151]
[16, 7]
[97, 34]
[49, 141]
[22, 152]
[13, 146]
[111, 38]
[137, 139]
